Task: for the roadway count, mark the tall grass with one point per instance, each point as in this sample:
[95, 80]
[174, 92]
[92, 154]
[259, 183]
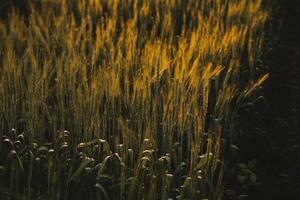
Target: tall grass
[149, 92]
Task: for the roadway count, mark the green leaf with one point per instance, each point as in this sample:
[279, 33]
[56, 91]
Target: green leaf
[241, 178]
[82, 165]
[101, 188]
[252, 178]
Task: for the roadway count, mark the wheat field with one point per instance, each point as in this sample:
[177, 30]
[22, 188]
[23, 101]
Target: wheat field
[128, 99]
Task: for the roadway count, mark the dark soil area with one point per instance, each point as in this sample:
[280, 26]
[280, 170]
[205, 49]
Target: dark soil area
[273, 136]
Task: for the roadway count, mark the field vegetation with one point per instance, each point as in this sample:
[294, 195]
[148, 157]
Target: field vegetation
[125, 99]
